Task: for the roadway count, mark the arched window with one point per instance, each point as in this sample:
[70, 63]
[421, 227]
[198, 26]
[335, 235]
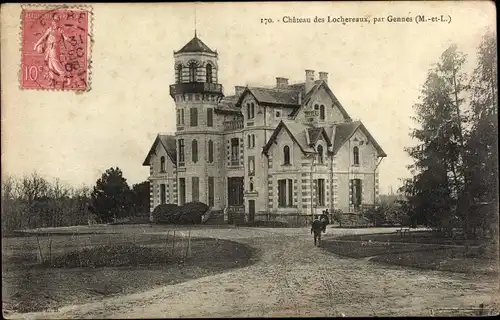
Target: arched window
[193, 68]
[250, 110]
[251, 186]
[253, 141]
[162, 164]
[355, 152]
[209, 72]
[179, 73]
[210, 151]
[320, 154]
[194, 150]
[322, 112]
[249, 140]
[286, 155]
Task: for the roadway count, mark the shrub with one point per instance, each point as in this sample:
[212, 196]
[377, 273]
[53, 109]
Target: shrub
[191, 212]
[166, 213]
[338, 216]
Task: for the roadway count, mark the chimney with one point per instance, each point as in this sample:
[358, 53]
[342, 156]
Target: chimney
[309, 80]
[323, 76]
[281, 82]
[238, 90]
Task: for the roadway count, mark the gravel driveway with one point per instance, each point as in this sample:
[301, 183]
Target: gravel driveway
[294, 278]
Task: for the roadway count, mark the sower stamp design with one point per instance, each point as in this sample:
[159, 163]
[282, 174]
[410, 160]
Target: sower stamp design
[55, 49]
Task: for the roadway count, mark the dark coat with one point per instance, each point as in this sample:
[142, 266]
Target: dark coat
[316, 226]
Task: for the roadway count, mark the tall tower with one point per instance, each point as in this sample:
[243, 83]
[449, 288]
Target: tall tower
[196, 92]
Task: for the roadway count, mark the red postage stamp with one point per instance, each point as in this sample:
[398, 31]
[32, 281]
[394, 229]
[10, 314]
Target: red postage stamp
[55, 49]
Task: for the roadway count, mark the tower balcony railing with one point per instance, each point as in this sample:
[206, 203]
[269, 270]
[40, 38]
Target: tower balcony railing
[195, 87]
[233, 125]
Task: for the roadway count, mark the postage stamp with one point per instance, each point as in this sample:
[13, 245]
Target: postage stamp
[56, 48]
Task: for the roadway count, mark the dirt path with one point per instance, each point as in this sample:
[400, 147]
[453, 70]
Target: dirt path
[294, 278]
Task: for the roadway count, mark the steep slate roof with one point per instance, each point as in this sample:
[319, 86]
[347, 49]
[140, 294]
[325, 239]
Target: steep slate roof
[305, 136]
[168, 143]
[317, 85]
[196, 45]
[339, 133]
[228, 105]
[344, 131]
[288, 97]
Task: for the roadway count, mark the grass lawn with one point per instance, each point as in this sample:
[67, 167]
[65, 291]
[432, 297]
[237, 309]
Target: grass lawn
[418, 250]
[426, 237]
[112, 264]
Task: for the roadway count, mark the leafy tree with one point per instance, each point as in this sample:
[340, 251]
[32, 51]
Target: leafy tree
[140, 197]
[111, 196]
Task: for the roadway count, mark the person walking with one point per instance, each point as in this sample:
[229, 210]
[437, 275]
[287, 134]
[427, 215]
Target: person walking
[316, 228]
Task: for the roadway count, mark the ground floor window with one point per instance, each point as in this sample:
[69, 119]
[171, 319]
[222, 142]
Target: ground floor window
[182, 191]
[195, 188]
[163, 194]
[320, 192]
[285, 193]
[210, 191]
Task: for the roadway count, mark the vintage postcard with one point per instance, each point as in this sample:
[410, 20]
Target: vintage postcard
[226, 159]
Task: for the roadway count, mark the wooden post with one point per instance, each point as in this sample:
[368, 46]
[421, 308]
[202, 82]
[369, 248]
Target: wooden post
[173, 244]
[39, 249]
[188, 250]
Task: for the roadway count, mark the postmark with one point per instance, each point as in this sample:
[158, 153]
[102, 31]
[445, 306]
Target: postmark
[56, 48]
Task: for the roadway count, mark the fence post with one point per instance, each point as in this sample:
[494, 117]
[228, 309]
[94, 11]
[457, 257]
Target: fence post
[173, 244]
[188, 252]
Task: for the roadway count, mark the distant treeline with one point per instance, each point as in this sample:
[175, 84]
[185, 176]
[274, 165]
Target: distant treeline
[33, 201]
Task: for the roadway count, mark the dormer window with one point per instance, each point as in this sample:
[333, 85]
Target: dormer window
[320, 154]
[286, 155]
[162, 164]
[355, 152]
[209, 73]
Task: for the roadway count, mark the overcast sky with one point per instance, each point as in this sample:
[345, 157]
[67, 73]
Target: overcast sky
[375, 70]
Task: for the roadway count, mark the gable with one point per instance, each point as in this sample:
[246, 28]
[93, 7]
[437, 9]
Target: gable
[297, 132]
[354, 130]
[322, 94]
[162, 142]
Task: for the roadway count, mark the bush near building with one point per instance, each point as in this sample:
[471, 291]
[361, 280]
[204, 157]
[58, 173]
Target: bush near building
[189, 213]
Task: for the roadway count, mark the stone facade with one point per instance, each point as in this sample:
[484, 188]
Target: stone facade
[282, 153]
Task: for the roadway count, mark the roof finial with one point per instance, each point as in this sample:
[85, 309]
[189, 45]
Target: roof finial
[195, 22]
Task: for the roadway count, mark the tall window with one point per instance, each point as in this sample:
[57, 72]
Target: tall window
[235, 151]
[322, 112]
[210, 151]
[320, 154]
[356, 192]
[285, 193]
[209, 73]
[194, 117]
[195, 188]
[182, 117]
[194, 151]
[210, 117]
[286, 155]
[181, 152]
[182, 191]
[210, 191]
[320, 192]
[316, 107]
[355, 152]
[179, 73]
[192, 72]
[178, 117]
[163, 193]
[251, 166]
[162, 164]
[251, 110]
[253, 141]
[249, 141]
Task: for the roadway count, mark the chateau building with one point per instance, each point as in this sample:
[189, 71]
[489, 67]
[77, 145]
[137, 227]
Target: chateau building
[287, 152]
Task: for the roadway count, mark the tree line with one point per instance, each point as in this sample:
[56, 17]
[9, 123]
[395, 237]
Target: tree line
[455, 162]
[33, 201]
